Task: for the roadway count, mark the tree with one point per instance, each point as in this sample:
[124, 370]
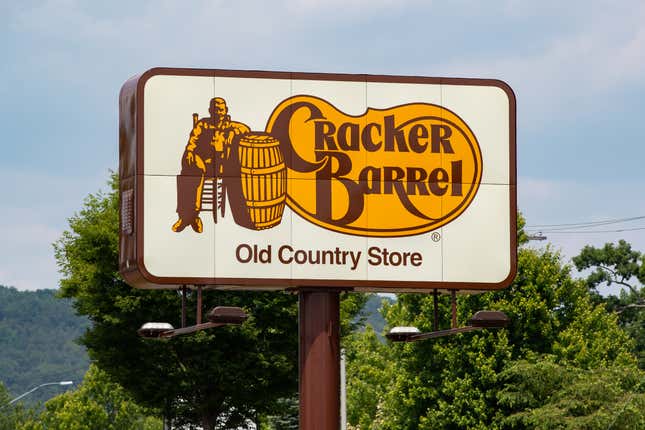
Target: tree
[219, 378]
[619, 264]
[368, 377]
[37, 342]
[98, 403]
[462, 381]
[548, 395]
[288, 420]
[14, 415]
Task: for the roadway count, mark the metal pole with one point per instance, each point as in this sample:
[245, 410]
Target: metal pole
[199, 305]
[435, 324]
[319, 321]
[36, 388]
[183, 306]
[343, 391]
[453, 297]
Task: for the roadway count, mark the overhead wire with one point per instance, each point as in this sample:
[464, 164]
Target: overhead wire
[589, 223]
[584, 227]
[592, 231]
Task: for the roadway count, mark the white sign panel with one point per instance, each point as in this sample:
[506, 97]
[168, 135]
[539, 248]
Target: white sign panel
[284, 180]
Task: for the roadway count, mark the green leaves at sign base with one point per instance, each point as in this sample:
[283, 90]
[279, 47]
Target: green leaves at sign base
[219, 378]
[230, 372]
[368, 374]
[619, 265]
[546, 370]
[13, 416]
[98, 403]
[548, 396]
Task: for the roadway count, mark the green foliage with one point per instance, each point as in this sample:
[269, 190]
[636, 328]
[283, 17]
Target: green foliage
[98, 403]
[367, 377]
[593, 339]
[542, 394]
[12, 416]
[464, 381]
[619, 264]
[522, 237]
[612, 264]
[373, 315]
[288, 420]
[352, 312]
[218, 378]
[231, 372]
[38, 335]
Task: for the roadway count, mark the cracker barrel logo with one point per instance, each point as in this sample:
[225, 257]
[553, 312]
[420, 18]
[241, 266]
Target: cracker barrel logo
[223, 158]
[399, 171]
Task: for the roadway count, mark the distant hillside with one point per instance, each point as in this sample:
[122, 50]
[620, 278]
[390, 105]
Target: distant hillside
[372, 312]
[37, 334]
[37, 340]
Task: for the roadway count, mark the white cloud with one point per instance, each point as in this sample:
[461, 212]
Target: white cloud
[555, 200]
[51, 193]
[342, 8]
[599, 49]
[73, 39]
[578, 56]
[29, 230]
[35, 209]
[559, 202]
[580, 67]
[26, 256]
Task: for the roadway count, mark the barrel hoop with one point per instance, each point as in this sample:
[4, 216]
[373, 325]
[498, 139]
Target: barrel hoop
[266, 203]
[267, 224]
[259, 143]
[262, 170]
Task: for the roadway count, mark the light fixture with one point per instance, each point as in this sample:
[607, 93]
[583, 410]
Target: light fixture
[227, 315]
[479, 321]
[218, 316]
[153, 330]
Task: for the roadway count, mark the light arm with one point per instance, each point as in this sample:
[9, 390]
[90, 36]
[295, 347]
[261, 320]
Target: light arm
[38, 387]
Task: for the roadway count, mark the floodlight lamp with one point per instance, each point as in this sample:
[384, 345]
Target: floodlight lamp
[402, 334]
[153, 330]
[489, 319]
[227, 315]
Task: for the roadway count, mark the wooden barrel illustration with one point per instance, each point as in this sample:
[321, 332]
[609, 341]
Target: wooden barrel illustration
[263, 178]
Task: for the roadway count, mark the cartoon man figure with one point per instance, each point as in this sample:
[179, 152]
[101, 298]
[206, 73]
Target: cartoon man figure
[209, 144]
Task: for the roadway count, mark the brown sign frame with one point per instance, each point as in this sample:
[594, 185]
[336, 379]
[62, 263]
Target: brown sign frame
[131, 164]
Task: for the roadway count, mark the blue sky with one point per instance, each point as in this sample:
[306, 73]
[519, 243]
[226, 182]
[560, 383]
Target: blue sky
[577, 68]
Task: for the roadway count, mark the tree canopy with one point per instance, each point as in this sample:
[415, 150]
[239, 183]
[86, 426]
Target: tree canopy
[565, 360]
[234, 372]
[545, 370]
[38, 335]
[219, 378]
[12, 416]
[621, 265]
[618, 264]
[98, 403]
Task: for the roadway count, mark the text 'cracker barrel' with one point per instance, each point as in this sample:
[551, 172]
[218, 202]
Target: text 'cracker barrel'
[263, 175]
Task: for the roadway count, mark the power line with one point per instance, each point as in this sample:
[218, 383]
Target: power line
[590, 231]
[577, 227]
[589, 224]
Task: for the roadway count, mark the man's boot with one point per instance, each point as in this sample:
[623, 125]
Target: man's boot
[188, 204]
[197, 224]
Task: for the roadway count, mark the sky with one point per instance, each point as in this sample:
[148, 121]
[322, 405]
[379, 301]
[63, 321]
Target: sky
[577, 69]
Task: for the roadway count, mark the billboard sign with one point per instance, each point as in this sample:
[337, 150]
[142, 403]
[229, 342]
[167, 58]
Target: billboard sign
[240, 179]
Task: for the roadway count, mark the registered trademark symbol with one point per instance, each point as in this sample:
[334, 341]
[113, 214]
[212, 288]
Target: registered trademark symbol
[436, 237]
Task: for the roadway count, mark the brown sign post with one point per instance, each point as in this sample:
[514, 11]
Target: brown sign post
[319, 320]
[317, 183]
